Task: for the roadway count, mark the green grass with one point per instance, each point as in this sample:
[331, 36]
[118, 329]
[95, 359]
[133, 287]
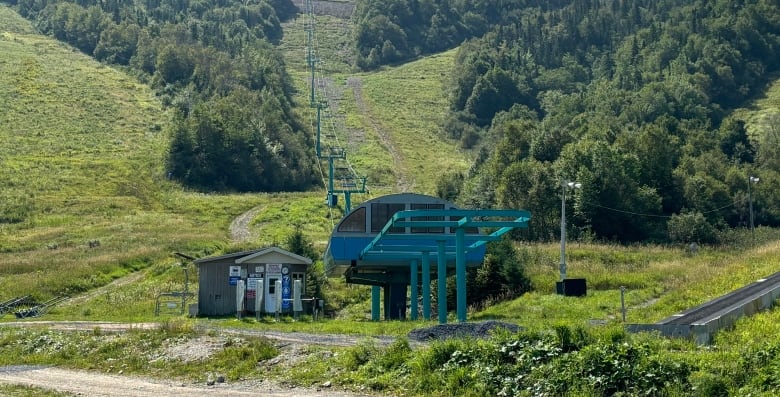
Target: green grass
[13, 23]
[134, 352]
[764, 109]
[658, 281]
[29, 391]
[409, 102]
[83, 152]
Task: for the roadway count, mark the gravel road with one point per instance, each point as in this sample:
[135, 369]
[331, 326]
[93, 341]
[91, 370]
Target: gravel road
[97, 384]
[91, 383]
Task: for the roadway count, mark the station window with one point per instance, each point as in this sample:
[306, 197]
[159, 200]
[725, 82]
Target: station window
[354, 222]
[381, 213]
[272, 286]
[438, 230]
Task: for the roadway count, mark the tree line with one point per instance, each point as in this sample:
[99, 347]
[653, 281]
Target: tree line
[213, 62]
[633, 99]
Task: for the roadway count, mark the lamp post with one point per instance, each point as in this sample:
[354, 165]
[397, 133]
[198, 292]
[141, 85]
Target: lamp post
[564, 186]
[751, 180]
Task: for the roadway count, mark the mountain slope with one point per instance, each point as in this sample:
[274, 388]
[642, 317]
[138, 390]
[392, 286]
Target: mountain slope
[388, 120]
[83, 195]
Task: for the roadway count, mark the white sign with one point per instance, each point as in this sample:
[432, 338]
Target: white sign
[235, 271]
[275, 268]
[251, 284]
[259, 269]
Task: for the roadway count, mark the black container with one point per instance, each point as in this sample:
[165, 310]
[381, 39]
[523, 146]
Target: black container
[571, 287]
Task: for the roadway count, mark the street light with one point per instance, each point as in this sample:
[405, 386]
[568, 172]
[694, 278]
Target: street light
[564, 186]
[751, 180]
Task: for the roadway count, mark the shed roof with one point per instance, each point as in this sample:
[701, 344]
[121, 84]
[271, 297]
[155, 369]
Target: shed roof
[219, 258]
[256, 256]
[275, 252]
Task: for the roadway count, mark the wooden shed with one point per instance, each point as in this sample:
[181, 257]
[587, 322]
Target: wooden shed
[270, 271]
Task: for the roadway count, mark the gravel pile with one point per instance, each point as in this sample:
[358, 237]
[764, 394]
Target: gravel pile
[460, 330]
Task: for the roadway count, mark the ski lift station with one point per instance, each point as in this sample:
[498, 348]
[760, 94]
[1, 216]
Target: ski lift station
[390, 242]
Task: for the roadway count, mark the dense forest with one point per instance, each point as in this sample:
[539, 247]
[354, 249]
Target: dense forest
[214, 63]
[630, 98]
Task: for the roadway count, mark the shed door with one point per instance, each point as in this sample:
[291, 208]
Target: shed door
[271, 293]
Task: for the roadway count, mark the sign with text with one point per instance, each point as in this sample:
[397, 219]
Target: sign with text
[251, 287]
[234, 274]
[273, 268]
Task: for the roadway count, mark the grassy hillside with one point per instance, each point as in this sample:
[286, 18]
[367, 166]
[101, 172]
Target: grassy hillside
[82, 150]
[762, 119]
[386, 120]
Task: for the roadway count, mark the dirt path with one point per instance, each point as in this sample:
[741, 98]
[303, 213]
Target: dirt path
[284, 337]
[97, 384]
[239, 228]
[402, 184]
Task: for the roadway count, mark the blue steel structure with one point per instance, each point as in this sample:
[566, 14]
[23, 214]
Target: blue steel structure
[388, 242]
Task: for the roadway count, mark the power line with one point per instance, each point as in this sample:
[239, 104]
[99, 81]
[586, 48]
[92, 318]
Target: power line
[733, 204]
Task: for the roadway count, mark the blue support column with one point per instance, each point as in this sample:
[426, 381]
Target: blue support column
[460, 272]
[413, 291]
[375, 314]
[441, 273]
[426, 285]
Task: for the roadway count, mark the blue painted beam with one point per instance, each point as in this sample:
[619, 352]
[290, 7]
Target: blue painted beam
[467, 220]
[426, 285]
[375, 315]
[442, 284]
[413, 292]
[460, 275]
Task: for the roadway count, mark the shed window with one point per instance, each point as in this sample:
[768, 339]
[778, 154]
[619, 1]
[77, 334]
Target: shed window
[354, 222]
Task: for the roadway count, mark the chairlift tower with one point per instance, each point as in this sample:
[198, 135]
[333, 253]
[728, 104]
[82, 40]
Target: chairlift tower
[347, 182]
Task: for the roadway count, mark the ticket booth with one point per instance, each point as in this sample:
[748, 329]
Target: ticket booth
[270, 272]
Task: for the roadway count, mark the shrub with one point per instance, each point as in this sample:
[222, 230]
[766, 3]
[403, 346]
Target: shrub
[690, 227]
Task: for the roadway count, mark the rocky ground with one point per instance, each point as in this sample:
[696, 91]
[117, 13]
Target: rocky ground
[293, 347]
